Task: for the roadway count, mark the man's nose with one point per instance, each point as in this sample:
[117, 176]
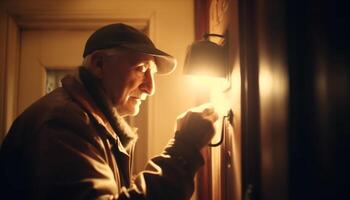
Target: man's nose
[147, 85]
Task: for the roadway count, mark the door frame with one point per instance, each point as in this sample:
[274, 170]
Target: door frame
[12, 23]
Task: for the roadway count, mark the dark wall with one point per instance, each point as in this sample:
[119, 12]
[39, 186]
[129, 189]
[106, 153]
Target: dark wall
[295, 143]
[319, 61]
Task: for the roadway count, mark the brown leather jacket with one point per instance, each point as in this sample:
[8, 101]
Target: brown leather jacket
[64, 147]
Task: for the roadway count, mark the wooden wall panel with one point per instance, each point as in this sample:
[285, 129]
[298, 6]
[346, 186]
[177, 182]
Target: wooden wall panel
[224, 169]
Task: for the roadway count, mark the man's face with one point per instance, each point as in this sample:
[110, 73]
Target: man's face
[128, 78]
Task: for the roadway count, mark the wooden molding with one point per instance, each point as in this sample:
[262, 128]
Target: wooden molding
[73, 20]
[3, 41]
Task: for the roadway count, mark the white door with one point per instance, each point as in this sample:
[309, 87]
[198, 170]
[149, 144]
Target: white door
[44, 52]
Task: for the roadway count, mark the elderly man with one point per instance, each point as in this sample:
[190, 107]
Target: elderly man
[74, 143]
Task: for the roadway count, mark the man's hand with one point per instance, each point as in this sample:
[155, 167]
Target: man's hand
[196, 126]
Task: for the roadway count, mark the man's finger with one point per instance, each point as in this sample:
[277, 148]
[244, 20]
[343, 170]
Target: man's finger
[208, 111]
[212, 117]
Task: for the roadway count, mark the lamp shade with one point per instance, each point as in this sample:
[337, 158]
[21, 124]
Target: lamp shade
[206, 58]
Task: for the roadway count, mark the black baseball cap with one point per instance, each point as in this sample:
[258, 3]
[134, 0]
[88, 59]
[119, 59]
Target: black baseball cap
[122, 35]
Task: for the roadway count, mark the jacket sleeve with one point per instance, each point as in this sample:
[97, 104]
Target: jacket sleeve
[169, 175]
[71, 167]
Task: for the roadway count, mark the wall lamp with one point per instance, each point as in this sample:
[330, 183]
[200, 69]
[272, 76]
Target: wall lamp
[206, 58]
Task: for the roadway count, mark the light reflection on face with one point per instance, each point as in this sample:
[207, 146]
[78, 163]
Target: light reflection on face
[128, 79]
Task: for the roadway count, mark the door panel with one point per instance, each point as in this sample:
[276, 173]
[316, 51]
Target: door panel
[44, 50]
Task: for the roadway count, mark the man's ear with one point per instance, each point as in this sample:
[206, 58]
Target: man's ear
[97, 64]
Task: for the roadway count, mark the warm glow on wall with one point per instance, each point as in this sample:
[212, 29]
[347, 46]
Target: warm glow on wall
[265, 81]
[272, 81]
[215, 86]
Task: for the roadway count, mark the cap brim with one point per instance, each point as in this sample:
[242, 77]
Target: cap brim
[166, 63]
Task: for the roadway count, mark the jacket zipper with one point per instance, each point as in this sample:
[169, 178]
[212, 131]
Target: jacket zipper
[131, 162]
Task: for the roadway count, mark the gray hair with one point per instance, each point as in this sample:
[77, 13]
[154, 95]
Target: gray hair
[111, 51]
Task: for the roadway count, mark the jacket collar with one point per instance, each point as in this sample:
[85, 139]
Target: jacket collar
[83, 88]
